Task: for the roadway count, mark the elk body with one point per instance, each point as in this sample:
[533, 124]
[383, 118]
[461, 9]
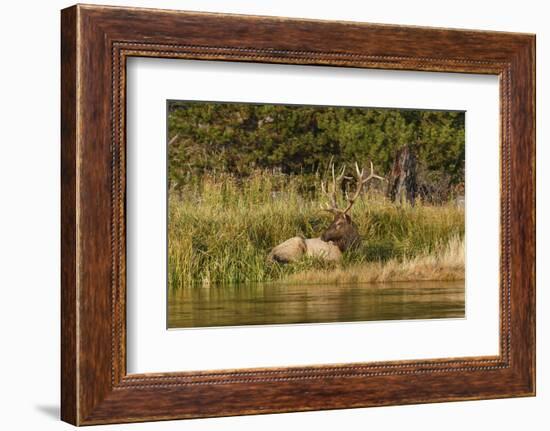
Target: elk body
[341, 235]
[295, 248]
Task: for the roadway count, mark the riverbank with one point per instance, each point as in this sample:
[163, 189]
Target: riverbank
[220, 231]
[444, 264]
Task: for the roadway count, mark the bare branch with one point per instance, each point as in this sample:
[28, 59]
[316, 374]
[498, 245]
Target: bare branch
[173, 139]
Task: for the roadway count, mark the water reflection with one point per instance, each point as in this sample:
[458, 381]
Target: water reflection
[261, 304]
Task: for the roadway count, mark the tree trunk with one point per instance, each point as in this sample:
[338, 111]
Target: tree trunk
[402, 180]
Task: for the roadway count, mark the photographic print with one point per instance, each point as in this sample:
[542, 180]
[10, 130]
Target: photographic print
[287, 214]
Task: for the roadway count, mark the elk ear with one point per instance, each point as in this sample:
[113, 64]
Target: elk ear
[347, 217]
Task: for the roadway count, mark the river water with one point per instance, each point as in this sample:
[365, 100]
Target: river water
[263, 304]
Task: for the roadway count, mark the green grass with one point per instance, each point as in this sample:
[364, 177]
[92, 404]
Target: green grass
[221, 230]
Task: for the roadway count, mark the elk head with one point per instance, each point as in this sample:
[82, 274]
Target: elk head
[342, 231]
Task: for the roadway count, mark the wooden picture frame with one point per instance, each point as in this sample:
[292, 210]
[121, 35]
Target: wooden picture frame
[95, 43]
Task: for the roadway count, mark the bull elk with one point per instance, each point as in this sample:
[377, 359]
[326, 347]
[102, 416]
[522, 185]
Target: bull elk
[341, 235]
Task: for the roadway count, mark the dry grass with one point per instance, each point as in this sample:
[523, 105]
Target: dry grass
[446, 263]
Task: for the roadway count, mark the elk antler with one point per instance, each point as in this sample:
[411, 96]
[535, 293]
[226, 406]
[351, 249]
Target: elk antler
[361, 181]
[332, 204]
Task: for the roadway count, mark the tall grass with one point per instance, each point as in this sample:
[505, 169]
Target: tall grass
[221, 230]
